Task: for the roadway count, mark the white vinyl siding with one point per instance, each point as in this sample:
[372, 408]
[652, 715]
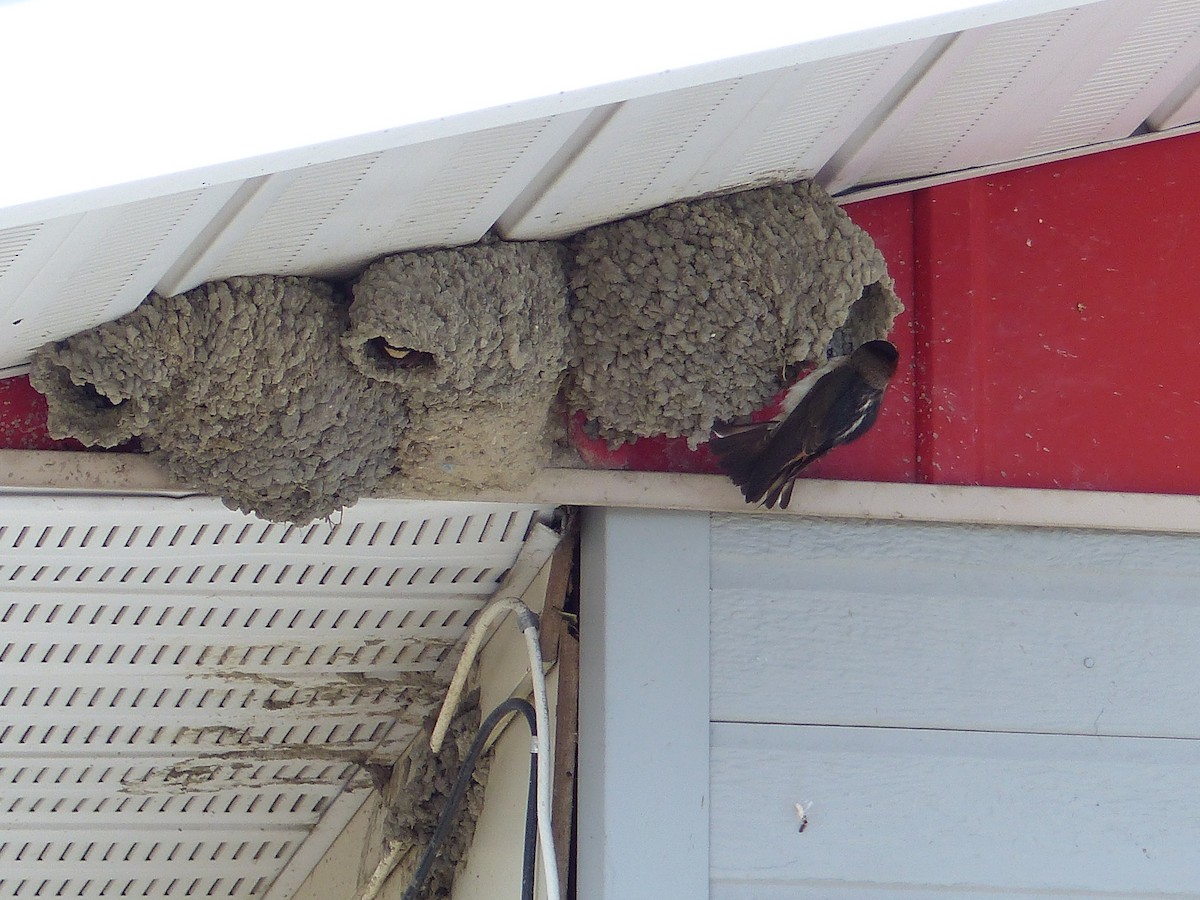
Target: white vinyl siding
[963, 711]
[1005, 711]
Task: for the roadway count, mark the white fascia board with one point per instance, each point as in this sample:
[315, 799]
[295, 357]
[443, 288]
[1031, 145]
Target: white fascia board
[117, 101]
[57, 471]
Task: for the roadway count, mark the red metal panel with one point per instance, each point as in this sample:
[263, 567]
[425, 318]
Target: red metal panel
[949, 244]
[23, 418]
[1059, 324]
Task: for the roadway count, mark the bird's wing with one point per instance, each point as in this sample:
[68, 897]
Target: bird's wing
[856, 409]
[837, 410]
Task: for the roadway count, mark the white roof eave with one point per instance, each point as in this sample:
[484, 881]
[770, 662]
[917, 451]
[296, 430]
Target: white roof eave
[133, 99]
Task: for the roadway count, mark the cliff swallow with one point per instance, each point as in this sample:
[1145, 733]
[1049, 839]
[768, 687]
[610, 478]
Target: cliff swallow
[829, 407]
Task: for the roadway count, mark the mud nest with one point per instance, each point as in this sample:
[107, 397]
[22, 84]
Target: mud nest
[413, 817]
[239, 388]
[694, 311]
[445, 373]
[475, 338]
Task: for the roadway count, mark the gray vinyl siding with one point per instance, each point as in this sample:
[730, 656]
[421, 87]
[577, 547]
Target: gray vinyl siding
[962, 711]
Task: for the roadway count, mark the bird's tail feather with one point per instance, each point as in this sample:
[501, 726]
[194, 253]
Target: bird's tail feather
[779, 490]
[737, 448]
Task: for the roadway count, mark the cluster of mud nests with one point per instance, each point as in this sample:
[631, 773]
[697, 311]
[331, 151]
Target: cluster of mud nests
[448, 371]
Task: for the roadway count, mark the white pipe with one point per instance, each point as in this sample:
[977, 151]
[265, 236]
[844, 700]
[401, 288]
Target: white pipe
[391, 859]
[541, 709]
[545, 761]
[537, 550]
[533, 555]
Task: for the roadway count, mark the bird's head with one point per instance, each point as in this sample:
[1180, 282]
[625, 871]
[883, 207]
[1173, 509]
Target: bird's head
[877, 361]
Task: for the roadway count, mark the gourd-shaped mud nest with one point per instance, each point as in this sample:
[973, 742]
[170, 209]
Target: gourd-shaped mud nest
[475, 338]
[694, 311]
[239, 388]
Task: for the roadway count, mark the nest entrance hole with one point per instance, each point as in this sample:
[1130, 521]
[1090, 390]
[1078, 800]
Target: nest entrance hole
[401, 357]
[90, 397]
[869, 318]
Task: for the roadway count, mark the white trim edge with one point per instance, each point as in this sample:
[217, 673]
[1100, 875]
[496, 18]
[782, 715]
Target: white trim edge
[314, 847]
[25, 471]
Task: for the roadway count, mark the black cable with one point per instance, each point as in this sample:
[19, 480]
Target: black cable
[513, 704]
[530, 856]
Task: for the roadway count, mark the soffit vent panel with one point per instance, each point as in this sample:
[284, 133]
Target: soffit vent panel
[1046, 84]
[304, 198]
[68, 274]
[809, 114]
[976, 72]
[1060, 82]
[334, 218]
[647, 151]
[189, 695]
[13, 244]
[657, 149]
[1074, 46]
[1152, 56]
